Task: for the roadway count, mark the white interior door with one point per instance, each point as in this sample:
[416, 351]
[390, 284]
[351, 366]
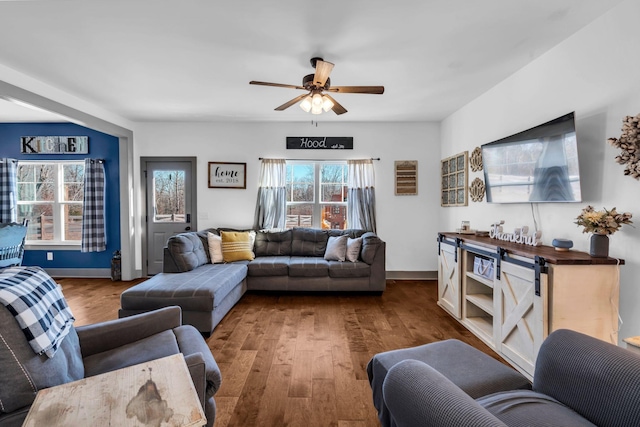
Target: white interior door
[170, 204]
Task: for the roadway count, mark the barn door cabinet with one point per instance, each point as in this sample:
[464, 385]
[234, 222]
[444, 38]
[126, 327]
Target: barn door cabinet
[517, 294]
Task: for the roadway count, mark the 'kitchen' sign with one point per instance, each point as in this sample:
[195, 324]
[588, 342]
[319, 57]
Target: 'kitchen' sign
[319, 143]
[54, 144]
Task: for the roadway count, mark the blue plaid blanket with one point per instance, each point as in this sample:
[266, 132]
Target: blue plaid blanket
[38, 305]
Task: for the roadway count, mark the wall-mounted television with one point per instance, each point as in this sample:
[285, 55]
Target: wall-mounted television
[538, 165]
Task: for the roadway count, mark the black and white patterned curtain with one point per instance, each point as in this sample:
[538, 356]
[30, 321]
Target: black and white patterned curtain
[93, 225]
[8, 190]
[272, 195]
[361, 195]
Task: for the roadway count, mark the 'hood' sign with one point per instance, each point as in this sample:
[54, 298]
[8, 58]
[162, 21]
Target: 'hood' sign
[319, 143]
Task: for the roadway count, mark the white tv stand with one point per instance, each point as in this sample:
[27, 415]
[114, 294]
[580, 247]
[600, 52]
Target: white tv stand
[532, 291]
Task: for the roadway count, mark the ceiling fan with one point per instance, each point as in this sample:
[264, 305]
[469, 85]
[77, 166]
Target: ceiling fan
[316, 101]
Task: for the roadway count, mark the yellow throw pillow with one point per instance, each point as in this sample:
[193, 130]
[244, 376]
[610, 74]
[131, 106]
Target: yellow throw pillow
[237, 246]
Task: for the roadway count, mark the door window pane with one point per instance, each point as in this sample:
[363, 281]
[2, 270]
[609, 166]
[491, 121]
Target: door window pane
[169, 196]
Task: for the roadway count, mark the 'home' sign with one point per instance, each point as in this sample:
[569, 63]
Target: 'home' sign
[319, 143]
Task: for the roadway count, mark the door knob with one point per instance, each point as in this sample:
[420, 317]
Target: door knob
[187, 228]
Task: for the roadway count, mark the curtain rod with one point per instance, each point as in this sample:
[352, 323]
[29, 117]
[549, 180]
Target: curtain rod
[319, 160]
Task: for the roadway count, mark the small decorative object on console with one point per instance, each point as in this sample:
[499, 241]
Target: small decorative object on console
[519, 235]
[601, 224]
[562, 245]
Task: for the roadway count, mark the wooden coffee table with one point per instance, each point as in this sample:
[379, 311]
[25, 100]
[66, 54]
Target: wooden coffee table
[154, 394]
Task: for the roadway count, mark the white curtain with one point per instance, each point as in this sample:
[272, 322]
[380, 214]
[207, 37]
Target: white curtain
[272, 195]
[361, 196]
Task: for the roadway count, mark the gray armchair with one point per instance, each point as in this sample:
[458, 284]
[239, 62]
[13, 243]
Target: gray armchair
[578, 381]
[96, 349]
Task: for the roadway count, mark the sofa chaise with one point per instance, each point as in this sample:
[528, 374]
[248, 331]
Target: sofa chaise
[290, 260]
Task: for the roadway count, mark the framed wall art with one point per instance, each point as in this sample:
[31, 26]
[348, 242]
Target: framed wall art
[227, 175]
[406, 174]
[454, 188]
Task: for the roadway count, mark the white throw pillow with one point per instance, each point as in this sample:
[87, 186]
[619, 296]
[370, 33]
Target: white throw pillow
[215, 248]
[353, 249]
[336, 248]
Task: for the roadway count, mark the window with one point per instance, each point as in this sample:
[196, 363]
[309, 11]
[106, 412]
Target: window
[50, 196]
[317, 195]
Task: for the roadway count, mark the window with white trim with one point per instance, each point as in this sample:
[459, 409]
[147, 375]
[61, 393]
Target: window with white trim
[50, 196]
[317, 194]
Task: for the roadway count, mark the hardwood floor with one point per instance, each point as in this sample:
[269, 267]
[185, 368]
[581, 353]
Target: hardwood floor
[299, 359]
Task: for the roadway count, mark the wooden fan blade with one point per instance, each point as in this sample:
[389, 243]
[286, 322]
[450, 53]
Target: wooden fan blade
[290, 103]
[376, 90]
[253, 82]
[337, 108]
[323, 69]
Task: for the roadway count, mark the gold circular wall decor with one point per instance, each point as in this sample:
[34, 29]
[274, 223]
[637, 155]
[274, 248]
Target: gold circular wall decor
[476, 160]
[476, 190]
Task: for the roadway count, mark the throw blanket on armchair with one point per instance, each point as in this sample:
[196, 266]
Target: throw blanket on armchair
[37, 303]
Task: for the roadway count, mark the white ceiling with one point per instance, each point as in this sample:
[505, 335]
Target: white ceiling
[192, 60]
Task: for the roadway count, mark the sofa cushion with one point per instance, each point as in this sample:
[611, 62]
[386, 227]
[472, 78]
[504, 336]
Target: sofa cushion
[349, 269]
[199, 290]
[309, 242]
[270, 243]
[353, 249]
[24, 372]
[370, 244]
[154, 347]
[214, 242]
[187, 251]
[336, 248]
[528, 408]
[308, 267]
[269, 266]
[237, 246]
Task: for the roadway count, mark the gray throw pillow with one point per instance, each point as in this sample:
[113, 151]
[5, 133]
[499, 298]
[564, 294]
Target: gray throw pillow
[336, 248]
[353, 249]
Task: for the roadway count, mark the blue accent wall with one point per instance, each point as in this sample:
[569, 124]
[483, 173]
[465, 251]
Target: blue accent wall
[101, 146]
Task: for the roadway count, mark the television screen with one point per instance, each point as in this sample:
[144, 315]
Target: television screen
[534, 166]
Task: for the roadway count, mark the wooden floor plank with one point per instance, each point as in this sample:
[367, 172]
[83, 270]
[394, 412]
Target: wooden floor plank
[299, 359]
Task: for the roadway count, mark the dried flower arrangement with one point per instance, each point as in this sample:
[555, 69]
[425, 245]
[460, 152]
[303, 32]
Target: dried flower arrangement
[629, 143]
[602, 222]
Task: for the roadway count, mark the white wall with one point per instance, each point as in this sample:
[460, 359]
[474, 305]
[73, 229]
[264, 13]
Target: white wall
[595, 74]
[407, 223]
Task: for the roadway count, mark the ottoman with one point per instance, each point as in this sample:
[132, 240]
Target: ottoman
[475, 372]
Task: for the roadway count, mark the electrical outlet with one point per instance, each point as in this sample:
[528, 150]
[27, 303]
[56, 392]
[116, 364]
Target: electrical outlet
[49, 256]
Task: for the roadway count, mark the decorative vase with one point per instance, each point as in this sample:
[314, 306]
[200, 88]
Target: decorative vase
[599, 245]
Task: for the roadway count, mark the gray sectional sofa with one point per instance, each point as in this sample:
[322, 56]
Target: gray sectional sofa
[291, 260]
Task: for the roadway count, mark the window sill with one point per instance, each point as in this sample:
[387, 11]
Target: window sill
[52, 246]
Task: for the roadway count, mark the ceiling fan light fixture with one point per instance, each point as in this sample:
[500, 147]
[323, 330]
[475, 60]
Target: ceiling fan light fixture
[327, 104]
[306, 104]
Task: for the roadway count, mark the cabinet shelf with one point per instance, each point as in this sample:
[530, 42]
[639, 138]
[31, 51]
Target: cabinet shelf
[482, 301]
[480, 279]
[483, 327]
